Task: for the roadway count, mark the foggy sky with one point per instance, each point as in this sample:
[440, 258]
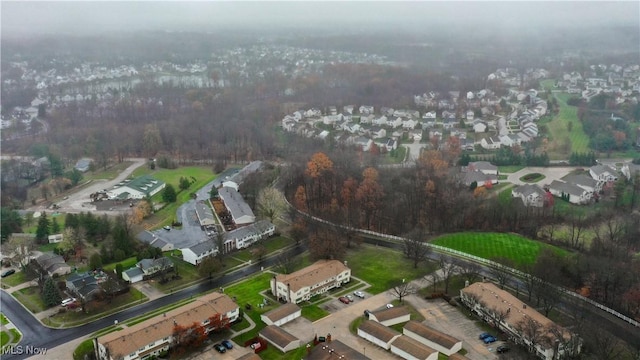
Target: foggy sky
[89, 17]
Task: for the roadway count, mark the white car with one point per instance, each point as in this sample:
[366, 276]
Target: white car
[389, 306]
[359, 294]
[67, 301]
[350, 297]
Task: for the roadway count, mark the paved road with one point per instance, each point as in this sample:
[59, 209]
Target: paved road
[414, 151]
[37, 335]
[79, 201]
[550, 173]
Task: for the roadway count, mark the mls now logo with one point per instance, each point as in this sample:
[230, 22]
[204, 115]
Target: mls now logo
[23, 350]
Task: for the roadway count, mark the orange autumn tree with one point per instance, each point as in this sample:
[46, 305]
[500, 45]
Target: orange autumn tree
[370, 195]
[321, 175]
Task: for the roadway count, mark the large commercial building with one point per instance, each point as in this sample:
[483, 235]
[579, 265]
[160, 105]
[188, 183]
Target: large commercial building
[138, 188]
[316, 278]
[150, 337]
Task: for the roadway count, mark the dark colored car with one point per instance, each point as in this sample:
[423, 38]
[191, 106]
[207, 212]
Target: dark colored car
[483, 335]
[344, 299]
[221, 349]
[227, 344]
[502, 349]
[489, 339]
[8, 272]
[366, 313]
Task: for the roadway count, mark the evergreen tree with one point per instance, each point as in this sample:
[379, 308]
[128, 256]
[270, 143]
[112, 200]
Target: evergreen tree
[71, 221]
[11, 223]
[55, 227]
[42, 232]
[213, 193]
[169, 194]
[50, 293]
[184, 183]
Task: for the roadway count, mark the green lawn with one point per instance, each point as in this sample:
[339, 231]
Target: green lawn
[379, 266]
[248, 291]
[111, 173]
[520, 250]
[188, 274]
[4, 338]
[272, 244]
[166, 215]
[509, 169]
[313, 312]
[126, 264]
[30, 297]
[16, 279]
[85, 348]
[272, 353]
[3, 319]
[559, 131]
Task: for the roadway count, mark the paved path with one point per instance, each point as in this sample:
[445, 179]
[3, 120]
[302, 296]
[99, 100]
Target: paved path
[550, 173]
[414, 151]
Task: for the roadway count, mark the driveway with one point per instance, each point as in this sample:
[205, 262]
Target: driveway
[414, 150]
[550, 173]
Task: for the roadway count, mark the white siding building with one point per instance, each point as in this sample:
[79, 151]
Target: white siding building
[316, 278]
[378, 334]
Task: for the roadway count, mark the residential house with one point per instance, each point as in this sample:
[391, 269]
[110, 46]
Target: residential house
[604, 173]
[449, 123]
[155, 335]
[470, 115]
[491, 303]
[630, 170]
[491, 143]
[138, 188]
[196, 253]
[377, 132]
[55, 238]
[395, 123]
[416, 135]
[314, 279]
[282, 314]
[484, 167]
[478, 177]
[572, 193]
[83, 164]
[409, 124]
[411, 349]
[391, 144]
[150, 267]
[154, 240]
[366, 110]
[238, 208]
[323, 134]
[348, 109]
[432, 338]
[53, 264]
[429, 115]
[132, 275]
[204, 214]
[84, 286]
[584, 181]
[391, 316]
[377, 333]
[245, 236]
[479, 126]
[381, 121]
[530, 194]
[363, 143]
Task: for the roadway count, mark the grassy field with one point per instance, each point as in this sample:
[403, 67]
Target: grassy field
[3, 319]
[248, 291]
[520, 250]
[188, 274]
[313, 312]
[111, 173]
[380, 266]
[126, 264]
[166, 215]
[271, 244]
[509, 169]
[30, 297]
[85, 348]
[559, 131]
[16, 279]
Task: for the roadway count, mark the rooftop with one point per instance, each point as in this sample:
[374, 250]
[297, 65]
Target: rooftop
[312, 274]
[413, 347]
[432, 334]
[378, 330]
[282, 311]
[277, 335]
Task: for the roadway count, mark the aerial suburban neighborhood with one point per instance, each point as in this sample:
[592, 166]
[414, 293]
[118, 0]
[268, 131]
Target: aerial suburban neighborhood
[320, 180]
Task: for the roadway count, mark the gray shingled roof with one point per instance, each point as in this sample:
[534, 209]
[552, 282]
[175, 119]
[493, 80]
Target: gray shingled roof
[528, 189]
[203, 247]
[567, 188]
[235, 203]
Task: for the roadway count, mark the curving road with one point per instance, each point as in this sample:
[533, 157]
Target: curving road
[37, 335]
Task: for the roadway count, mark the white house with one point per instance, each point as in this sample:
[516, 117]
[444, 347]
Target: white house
[391, 316]
[279, 338]
[530, 194]
[196, 253]
[377, 132]
[314, 279]
[155, 335]
[432, 338]
[282, 314]
[484, 167]
[245, 236]
[363, 143]
[603, 173]
[238, 208]
[409, 124]
[395, 123]
[572, 193]
[377, 333]
[411, 349]
[366, 109]
[491, 143]
[55, 238]
[479, 127]
[133, 275]
[138, 188]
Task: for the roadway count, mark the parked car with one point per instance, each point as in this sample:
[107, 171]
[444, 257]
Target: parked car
[350, 297]
[359, 294]
[8, 272]
[489, 339]
[221, 349]
[503, 349]
[389, 306]
[344, 299]
[227, 344]
[166, 227]
[483, 335]
[68, 301]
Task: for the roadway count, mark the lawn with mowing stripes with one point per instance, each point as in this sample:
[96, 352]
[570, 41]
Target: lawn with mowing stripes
[520, 250]
[559, 131]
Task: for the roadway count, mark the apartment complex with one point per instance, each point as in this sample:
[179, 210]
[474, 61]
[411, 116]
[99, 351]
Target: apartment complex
[316, 278]
[150, 337]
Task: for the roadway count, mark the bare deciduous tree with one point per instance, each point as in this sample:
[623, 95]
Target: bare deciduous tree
[415, 248]
[402, 290]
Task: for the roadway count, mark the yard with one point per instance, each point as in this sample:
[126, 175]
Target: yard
[380, 266]
[16, 279]
[518, 249]
[187, 272]
[30, 297]
[558, 130]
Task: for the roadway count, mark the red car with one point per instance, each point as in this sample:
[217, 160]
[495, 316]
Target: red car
[344, 299]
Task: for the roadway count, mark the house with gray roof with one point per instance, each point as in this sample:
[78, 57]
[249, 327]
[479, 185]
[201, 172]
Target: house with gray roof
[196, 253]
[378, 334]
[85, 285]
[133, 275]
[53, 264]
[245, 236]
[237, 206]
[83, 164]
[432, 338]
[530, 194]
[138, 188]
[570, 192]
[279, 338]
[408, 348]
[584, 181]
[154, 240]
[603, 173]
[204, 214]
